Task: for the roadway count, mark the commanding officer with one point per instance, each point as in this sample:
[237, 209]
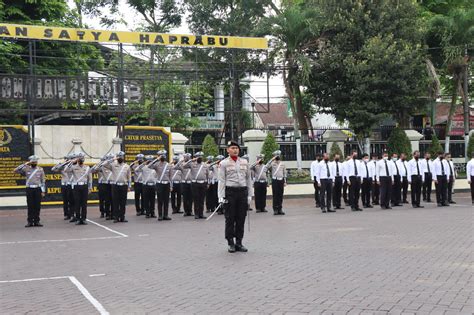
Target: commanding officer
[137, 184]
[149, 187]
[402, 166]
[427, 184]
[375, 185]
[210, 206]
[397, 182]
[279, 175]
[175, 188]
[162, 169]
[66, 190]
[470, 175]
[35, 188]
[353, 173]
[235, 193]
[325, 180]
[452, 178]
[199, 178]
[314, 170]
[259, 175]
[186, 185]
[368, 174]
[384, 173]
[81, 187]
[416, 178]
[338, 171]
[121, 184]
[441, 174]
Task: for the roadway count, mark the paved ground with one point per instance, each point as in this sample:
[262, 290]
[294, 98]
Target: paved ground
[410, 261]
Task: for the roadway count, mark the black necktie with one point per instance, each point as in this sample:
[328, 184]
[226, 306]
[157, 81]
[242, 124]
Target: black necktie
[386, 168]
[406, 172]
[367, 170]
[337, 169]
[327, 168]
[355, 168]
[428, 164]
[396, 166]
[417, 168]
[442, 167]
[450, 169]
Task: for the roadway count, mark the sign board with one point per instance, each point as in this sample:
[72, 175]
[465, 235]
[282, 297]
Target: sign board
[143, 38]
[145, 140]
[14, 150]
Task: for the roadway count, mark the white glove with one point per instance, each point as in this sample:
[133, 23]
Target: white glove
[221, 200]
[249, 200]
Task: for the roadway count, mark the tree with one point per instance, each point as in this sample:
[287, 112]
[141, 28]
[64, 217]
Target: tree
[435, 146]
[369, 63]
[269, 146]
[398, 142]
[335, 149]
[209, 146]
[470, 146]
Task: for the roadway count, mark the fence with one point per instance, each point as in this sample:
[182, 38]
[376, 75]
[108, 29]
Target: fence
[308, 150]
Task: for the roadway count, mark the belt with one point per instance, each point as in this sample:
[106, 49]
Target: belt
[164, 182]
[150, 184]
[33, 186]
[80, 183]
[137, 183]
[120, 184]
[236, 188]
[198, 181]
[326, 178]
[277, 178]
[261, 181]
[177, 182]
[64, 184]
[186, 182]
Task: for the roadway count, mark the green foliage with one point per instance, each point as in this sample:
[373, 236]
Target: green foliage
[470, 146]
[269, 146]
[209, 146]
[335, 149]
[398, 142]
[435, 146]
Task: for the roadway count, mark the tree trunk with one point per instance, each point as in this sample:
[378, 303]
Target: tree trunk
[452, 110]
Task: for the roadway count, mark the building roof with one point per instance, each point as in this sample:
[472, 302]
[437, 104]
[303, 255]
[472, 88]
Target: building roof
[277, 115]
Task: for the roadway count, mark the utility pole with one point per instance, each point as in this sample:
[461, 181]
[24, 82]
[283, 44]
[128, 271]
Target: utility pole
[467, 119]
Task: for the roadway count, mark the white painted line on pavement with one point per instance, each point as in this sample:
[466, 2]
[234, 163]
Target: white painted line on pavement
[107, 228]
[97, 275]
[65, 240]
[89, 296]
[143, 235]
[33, 279]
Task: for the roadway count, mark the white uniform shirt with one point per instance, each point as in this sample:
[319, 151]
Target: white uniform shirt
[440, 168]
[414, 169]
[322, 171]
[426, 164]
[402, 166]
[370, 168]
[470, 169]
[382, 167]
[314, 169]
[350, 169]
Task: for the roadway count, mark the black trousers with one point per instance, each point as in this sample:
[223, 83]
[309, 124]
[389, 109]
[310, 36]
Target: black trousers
[278, 188]
[119, 195]
[199, 195]
[138, 189]
[472, 189]
[345, 188]
[396, 190]
[325, 197]
[385, 191]
[105, 198]
[33, 202]
[366, 189]
[187, 198]
[235, 213]
[375, 193]
[336, 192]
[354, 191]
[163, 194]
[72, 204]
[176, 197]
[260, 191]
[427, 187]
[416, 182]
[211, 197]
[442, 190]
[450, 188]
[405, 189]
[67, 200]
[81, 192]
[317, 193]
[149, 199]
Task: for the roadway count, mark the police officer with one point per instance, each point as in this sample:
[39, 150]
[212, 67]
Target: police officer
[216, 169]
[441, 173]
[338, 181]
[66, 191]
[176, 191]
[368, 174]
[121, 183]
[186, 185]
[259, 175]
[325, 180]
[105, 191]
[384, 173]
[415, 178]
[345, 185]
[162, 169]
[402, 166]
[199, 178]
[149, 187]
[313, 171]
[235, 193]
[452, 178]
[353, 173]
[35, 188]
[470, 175]
[279, 175]
[375, 185]
[210, 206]
[137, 184]
[428, 177]
[81, 186]
[397, 182]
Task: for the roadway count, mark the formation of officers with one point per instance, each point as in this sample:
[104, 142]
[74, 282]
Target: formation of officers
[383, 181]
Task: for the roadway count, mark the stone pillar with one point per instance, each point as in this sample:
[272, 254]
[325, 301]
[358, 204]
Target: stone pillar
[77, 142]
[414, 137]
[178, 142]
[253, 140]
[219, 101]
[38, 151]
[334, 136]
[116, 145]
